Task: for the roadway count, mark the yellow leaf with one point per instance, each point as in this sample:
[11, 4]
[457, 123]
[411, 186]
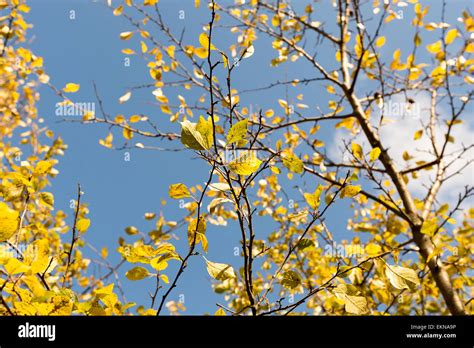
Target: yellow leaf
[71, 88]
[451, 36]
[82, 225]
[401, 277]
[166, 109]
[201, 52]
[225, 60]
[15, 266]
[237, 133]
[330, 89]
[429, 227]
[128, 51]
[357, 151]
[292, 162]
[107, 142]
[137, 273]
[353, 303]
[196, 231]
[9, 220]
[127, 133]
[374, 154]
[350, 191]
[380, 41]
[126, 35]
[204, 41]
[144, 47]
[135, 118]
[434, 47]
[220, 312]
[373, 249]
[313, 199]
[47, 198]
[220, 271]
[171, 50]
[118, 11]
[247, 163]
[177, 191]
[418, 134]
[197, 136]
[290, 279]
[43, 167]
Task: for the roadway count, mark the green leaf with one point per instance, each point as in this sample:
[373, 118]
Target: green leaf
[197, 136]
[305, 243]
[290, 279]
[177, 191]
[137, 273]
[237, 133]
[219, 271]
[293, 163]
[246, 164]
[401, 277]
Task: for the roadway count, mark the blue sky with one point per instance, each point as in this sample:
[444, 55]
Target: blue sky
[87, 49]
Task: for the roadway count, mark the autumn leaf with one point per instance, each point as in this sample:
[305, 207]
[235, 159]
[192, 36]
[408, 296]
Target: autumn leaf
[353, 303]
[401, 277]
[313, 199]
[451, 36]
[290, 279]
[304, 243]
[292, 163]
[197, 232]
[374, 154]
[418, 134]
[71, 88]
[220, 312]
[137, 273]
[178, 191]
[9, 220]
[82, 225]
[357, 151]
[219, 271]
[237, 133]
[247, 163]
[126, 35]
[197, 136]
[350, 191]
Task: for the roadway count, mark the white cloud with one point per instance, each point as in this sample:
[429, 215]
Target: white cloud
[397, 135]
